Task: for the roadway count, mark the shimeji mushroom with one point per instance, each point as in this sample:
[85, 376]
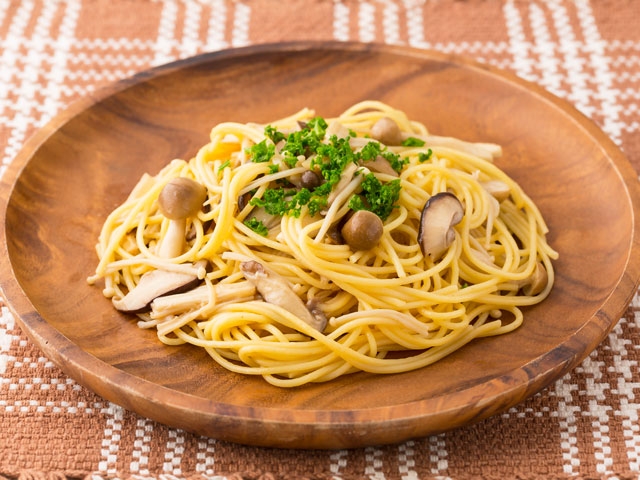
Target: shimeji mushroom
[387, 131]
[199, 296]
[380, 165]
[180, 199]
[276, 290]
[440, 214]
[363, 230]
[157, 283]
[497, 188]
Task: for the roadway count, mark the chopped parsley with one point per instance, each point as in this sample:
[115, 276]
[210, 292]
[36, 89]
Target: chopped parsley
[273, 168]
[257, 226]
[332, 158]
[378, 197]
[304, 141]
[224, 165]
[397, 162]
[424, 157]
[329, 157]
[372, 150]
[413, 142]
[280, 201]
[274, 134]
[262, 152]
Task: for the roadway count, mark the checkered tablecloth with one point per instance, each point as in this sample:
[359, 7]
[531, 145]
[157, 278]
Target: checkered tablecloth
[53, 52]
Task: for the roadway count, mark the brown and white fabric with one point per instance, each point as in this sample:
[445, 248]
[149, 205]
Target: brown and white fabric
[53, 52]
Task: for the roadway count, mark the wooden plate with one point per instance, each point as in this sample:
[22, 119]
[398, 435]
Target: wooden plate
[60, 188]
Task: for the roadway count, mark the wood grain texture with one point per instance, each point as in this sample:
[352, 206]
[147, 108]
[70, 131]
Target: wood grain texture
[59, 190]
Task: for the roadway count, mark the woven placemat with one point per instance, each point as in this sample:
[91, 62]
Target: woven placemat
[53, 52]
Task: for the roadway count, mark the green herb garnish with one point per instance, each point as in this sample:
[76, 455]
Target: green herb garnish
[412, 142]
[262, 152]
[224, 165]
[330, 158]
[424, 157]
[257, 226]
[280, 201]
[377, 197]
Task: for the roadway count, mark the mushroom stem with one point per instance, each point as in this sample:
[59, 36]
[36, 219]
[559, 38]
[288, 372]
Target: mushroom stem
[174, 239]
[154, 284]
[199, 296]
[179, 199]
[486, 151]
[340, 199]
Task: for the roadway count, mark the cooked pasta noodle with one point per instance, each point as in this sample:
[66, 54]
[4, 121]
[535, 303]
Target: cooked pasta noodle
[386, 308]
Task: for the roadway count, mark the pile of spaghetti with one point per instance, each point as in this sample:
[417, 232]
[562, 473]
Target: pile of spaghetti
[310, 248]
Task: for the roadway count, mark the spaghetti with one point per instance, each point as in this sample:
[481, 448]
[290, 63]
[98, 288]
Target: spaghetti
[276, 285]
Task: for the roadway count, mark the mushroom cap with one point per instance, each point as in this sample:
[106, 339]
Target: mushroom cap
[181, 198]
[310, 179]
[386, 131]
[363, 230]
[441, 212]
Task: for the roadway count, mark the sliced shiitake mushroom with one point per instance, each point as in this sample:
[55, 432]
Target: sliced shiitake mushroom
[440, 214]
[276, 290]
[380, 165]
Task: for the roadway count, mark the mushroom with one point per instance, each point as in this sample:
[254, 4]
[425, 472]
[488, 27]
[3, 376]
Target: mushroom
[259, 213]
[243, 200]
[155, 284]
[268, 220]
[536, 282]
[363, 230]
[486, 151]
[497, 188]
[440, 214]
[310, 180]
[317, 313]
[380, 165]
[179, 199]
[277, 291]
[337, 129]
[334, 235]
[386, 131]
[174, 303]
